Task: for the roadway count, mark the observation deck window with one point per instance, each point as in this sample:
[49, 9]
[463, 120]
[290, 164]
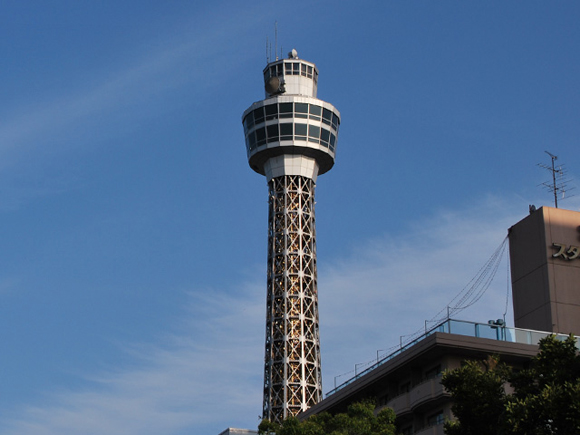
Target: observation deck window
[251, 141]
[289, 110]
[274, 71]
[259, 115]
[286, 131]
[286, 110]
[314, 133]
[300, 130]
[326, 116]
[272, 131]
[249, 121]
[315, 112]
[293, 69]
[288, 68]
[335, 122]
[324, 136]
[271, 111]
[301, 110]
[260, 136]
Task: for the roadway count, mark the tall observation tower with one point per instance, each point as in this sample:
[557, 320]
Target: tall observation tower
[291, 139]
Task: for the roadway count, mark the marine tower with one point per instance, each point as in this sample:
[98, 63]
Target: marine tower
[291, 139]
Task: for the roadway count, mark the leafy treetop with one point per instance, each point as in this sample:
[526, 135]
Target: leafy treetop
[545, 398]
[360, 419]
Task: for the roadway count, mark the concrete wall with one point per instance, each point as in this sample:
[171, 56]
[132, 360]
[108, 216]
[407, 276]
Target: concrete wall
[545, 266]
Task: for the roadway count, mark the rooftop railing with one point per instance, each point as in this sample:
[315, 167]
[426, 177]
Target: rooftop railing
[492, 330]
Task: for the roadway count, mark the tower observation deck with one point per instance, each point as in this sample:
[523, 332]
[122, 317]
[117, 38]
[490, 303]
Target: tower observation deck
[291, 139]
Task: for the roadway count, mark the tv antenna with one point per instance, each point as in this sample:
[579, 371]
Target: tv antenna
[559, 183]
[269, 45]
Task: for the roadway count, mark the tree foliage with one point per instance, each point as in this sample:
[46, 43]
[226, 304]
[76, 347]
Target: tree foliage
[545, 398]
[359, 419]
[478, 396]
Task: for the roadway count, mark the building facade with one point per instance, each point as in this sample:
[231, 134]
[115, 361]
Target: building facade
[408, 380]
[545, 266]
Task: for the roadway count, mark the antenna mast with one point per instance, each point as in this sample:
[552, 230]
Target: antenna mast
[556, 186]
[276, 38]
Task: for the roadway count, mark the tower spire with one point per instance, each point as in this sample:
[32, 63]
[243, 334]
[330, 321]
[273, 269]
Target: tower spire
[291, 139]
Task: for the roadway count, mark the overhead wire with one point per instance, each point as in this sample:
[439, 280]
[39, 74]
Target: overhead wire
[467, 297]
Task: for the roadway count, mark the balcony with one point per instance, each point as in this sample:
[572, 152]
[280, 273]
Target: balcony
[399, 404]
[427, 390]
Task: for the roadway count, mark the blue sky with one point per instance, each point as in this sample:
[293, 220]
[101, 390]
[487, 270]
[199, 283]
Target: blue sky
[133, 232]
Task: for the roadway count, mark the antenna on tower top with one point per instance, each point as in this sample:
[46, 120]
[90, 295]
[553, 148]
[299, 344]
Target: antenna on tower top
[269, 45]
[559, 183]
[276, 38]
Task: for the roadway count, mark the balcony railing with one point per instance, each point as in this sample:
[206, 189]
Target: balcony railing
[493, 330]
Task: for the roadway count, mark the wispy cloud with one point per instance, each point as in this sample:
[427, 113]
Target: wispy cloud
[208, 371]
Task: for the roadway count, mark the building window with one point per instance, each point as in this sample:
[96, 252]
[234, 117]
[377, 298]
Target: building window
[314, 133]
[272, 131]
[261, 136]
[315, 112]
[301, 110]
[286, 110]
[326, 116]
[433, 372]
[259, 115]
[271, 111]
[258, 134]
[435, 419]
[382, 401]
[300, 131]
[405, 387]
[286, 131]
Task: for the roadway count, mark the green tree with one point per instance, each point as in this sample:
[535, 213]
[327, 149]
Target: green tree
[360, 419]
[545, 401]
[478, 397]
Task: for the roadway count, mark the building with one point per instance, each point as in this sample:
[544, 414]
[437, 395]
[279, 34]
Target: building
[291, 139]
[408, 380]
[545, 275]
[545, 265]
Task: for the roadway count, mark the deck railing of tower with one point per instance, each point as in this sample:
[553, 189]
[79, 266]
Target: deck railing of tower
[471, 329]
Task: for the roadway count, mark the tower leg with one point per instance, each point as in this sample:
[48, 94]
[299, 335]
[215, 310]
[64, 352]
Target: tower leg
[292, 378]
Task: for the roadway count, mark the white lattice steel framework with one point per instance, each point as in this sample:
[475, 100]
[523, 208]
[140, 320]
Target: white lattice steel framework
[292, 370]
[291, 139]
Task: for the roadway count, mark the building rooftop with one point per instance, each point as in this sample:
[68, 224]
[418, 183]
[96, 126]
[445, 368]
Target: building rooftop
[494, 330]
